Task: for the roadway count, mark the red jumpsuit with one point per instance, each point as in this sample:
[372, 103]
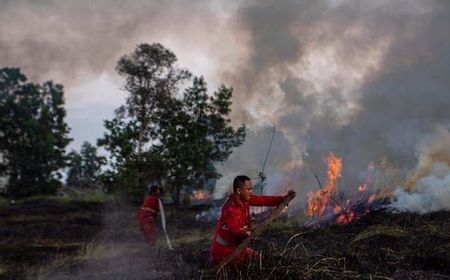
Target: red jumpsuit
[147, 218]
[233, 224]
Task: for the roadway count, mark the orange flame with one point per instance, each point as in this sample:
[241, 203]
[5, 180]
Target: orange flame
[349, 210]
[317, 201]
[346, 218]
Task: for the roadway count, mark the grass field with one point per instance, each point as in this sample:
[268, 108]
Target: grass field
[99, 239]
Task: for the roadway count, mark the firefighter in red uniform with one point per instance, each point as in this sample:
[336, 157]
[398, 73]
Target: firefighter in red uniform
[234, 223]
[148, 214]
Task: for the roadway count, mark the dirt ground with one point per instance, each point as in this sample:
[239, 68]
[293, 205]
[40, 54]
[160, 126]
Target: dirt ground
[34, 233]
[49, 240]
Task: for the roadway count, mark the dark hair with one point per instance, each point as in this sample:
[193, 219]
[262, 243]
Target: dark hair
[239, 181]
[154, 188]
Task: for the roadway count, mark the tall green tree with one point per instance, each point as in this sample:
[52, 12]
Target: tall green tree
[197, 136]
[85, 168]
[33, 134]
[164, 133]
[151, 79]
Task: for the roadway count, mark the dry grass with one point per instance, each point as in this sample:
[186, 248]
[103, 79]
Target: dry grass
[381, 231]
[94, 251]
[191, 237]
[36, 233]
[380, 246]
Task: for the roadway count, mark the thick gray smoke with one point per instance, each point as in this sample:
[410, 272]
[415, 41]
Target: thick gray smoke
[367, 80]
[432, 192]
[428, 184]
[71, 41]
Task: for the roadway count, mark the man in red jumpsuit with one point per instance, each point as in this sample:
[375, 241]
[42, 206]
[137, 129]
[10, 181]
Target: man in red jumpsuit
[234, 223]
[148, 214]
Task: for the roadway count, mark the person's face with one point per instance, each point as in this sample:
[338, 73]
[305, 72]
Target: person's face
[245, 192]
[158, 193]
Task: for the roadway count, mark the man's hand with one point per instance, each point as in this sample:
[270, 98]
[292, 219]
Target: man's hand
[291, 194]
[247, 232]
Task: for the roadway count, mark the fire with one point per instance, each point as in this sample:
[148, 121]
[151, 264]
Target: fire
[345, 218]
[317, 201]
[345, 212]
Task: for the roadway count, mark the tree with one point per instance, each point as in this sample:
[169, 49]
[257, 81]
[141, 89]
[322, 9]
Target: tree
[85, 167]
[197, 136]
[165, 134]
[33, 134]
[151, 79]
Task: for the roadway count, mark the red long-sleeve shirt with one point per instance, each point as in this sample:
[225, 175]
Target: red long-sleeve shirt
[149, 208]
[234, 222]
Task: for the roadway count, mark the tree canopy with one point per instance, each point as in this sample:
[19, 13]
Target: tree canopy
[85, 167]
[33, 134]
[170, 130]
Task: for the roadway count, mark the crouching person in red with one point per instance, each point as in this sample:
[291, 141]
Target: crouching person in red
[234, 223]
[148, 214]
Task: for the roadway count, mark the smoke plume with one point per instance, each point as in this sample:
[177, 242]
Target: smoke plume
[363, 80]
[367, 80]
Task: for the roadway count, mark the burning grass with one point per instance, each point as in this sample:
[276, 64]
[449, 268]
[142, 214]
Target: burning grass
[380, 245]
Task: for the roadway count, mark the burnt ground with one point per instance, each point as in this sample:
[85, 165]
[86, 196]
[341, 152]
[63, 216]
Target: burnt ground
[49, 240]
[381, 245]
[81, 240]
[35, 232]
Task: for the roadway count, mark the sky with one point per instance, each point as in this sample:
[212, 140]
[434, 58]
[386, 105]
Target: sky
[366, 80]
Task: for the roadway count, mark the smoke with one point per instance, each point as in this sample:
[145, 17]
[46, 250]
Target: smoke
[433, 148]
[432, 192]
[364, 80]
[428, 186]
[77, 40]
[249, 158]
[367, 80]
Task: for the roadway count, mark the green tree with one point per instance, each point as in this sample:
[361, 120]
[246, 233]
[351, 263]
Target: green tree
[85, 167]
[151, 79]
[33, 134]
[163, 133]
[197, 136]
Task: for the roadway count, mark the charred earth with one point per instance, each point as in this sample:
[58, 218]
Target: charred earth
[49, 240]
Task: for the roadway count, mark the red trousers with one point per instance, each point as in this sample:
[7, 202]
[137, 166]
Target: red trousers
[220, 253]
[148, 228]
